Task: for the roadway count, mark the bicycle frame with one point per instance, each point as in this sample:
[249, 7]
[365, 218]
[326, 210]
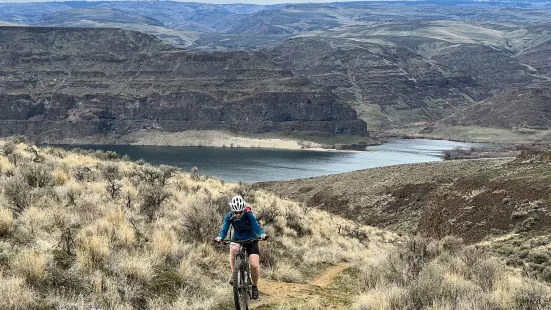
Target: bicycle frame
[242, 283]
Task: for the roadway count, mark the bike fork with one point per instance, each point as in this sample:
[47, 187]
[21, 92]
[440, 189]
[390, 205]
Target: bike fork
[249, 284]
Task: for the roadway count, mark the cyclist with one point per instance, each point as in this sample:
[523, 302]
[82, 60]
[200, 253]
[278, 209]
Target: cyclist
[245, 226]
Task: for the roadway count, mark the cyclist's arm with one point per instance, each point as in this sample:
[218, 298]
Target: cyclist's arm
[255, 226]
[226, 226]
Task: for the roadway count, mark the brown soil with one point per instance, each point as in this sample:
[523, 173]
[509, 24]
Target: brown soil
[274, 294]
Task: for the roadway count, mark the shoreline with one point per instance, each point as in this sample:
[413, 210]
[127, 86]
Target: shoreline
[469, 134]
[204, 138]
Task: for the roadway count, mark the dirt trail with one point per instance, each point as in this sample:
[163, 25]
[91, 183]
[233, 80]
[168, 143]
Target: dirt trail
[317, 294]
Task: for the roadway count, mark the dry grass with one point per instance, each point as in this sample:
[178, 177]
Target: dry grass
[427, 274]
[15, 294]
[30, 265]
[122, 235]
[69, 240]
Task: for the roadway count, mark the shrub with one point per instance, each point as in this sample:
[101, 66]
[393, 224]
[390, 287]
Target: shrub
[8, 148]
[486, 272]
[546, 274]
[195, 173]
[6, 222]
[416, 253]
[111, 171]
[18, 192]
[67, 242]
[202, 221]
[436, 286]
[37, 175]
[83, 174]
[532, 295]
[34, 219]
[471, 255]
[153, 197]
[15, 159]
[268, 257]
[268, 214]
[152, 175]
[104, 155]
[457, 153]
[36, 157]
[73, 192]
[185, 269]
[539, 257]
[451, 244]
[299, 226]
[167, 172]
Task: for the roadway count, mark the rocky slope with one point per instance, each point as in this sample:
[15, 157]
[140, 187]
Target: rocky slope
[65, 83]
[526, 108]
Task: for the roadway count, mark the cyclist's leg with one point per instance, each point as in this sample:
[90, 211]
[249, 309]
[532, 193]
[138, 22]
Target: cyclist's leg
[254, 261]
[234, 248]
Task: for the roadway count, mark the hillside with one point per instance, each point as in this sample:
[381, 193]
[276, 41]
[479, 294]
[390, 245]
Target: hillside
[467, 198]
[92, 230]
[502, 203]
[402, 73]
[527, 108]
[402, 67]
[60, 84]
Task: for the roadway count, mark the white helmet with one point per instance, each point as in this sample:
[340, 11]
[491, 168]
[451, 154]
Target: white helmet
[237, 203]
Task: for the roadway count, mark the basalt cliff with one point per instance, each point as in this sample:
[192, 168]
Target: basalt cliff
[67, 83]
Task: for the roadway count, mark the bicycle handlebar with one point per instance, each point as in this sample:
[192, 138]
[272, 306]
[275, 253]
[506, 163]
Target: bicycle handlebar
[228, 241]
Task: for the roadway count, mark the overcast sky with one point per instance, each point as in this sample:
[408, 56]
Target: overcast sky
[220, 1]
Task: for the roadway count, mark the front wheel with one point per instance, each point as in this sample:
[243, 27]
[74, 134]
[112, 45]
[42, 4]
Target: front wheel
[240, 285]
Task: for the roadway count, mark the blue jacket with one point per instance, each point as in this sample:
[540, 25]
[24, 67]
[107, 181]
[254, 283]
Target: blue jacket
[244, 228]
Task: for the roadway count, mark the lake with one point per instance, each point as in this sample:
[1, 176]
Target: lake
[256, 165]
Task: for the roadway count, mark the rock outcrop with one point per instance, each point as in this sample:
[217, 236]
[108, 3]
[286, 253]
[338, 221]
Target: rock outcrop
[70, 82]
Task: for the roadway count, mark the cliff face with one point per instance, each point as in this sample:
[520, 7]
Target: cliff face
[70, 83]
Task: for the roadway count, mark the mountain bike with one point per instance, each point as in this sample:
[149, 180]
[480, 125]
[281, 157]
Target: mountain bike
[242, 283]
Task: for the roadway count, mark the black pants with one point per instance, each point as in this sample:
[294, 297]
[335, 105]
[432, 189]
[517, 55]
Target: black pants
[252, 248]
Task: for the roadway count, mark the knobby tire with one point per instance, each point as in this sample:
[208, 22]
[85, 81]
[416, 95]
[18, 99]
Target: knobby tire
[239, 297]
[245, 291]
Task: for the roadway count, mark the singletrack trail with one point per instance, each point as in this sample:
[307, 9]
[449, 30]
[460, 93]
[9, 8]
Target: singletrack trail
[315, 295]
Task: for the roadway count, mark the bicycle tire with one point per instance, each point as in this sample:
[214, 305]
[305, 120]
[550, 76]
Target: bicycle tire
[236, 278]
[245, 294]
[239, 294]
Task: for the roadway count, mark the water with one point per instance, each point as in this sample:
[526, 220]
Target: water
[256, 165]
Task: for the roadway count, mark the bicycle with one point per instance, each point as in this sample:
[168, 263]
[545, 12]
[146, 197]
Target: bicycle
[242, 283]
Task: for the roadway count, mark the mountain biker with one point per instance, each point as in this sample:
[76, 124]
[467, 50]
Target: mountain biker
[245, 226]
